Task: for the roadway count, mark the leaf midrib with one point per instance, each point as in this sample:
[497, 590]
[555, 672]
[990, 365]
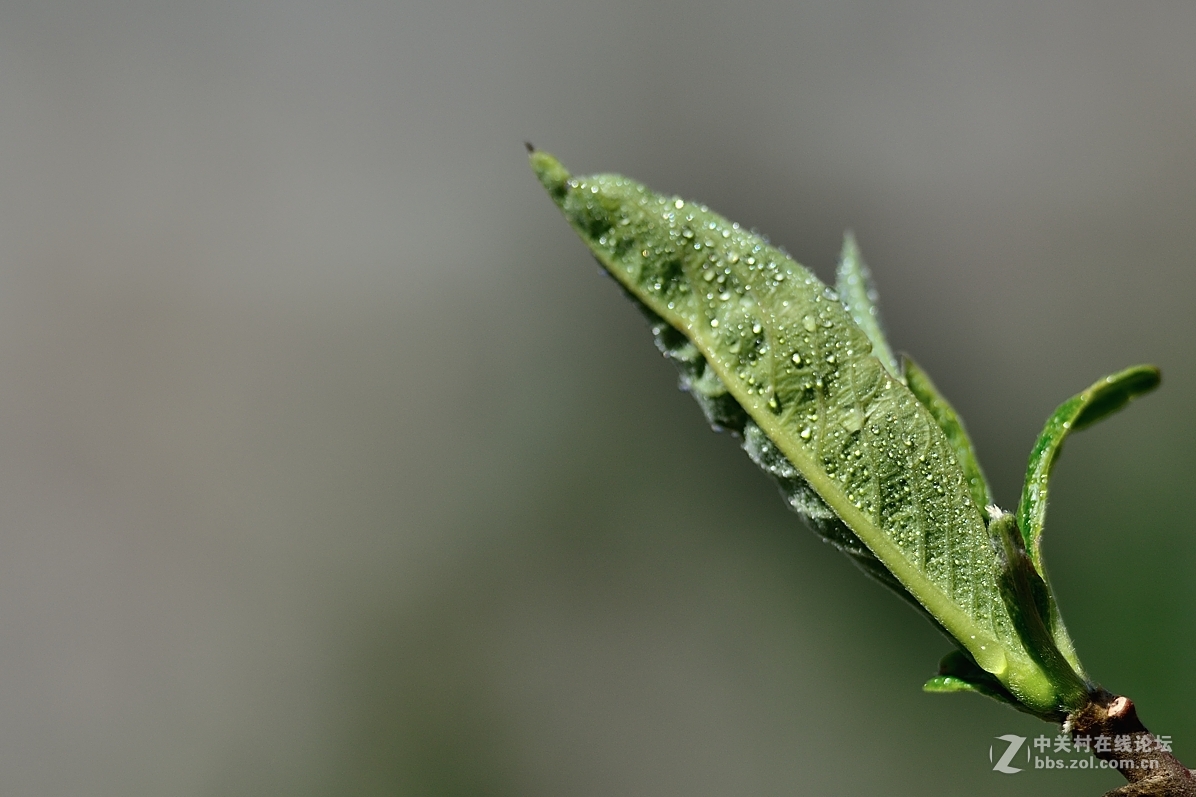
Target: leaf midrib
[987, 650]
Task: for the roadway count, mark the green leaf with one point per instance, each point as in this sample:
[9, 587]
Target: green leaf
[1032, 608]
[1098, 402]
[948, 683]
[724, 413]
[804, 501]
[780, 345]
[853, 281]
[958, 673]
[949, 421]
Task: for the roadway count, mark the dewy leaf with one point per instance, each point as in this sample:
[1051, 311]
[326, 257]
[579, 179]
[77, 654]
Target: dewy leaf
[805, 502]
[724, 413]
[853, 281]
[786, 351]
[948, 420]
[1099, 401]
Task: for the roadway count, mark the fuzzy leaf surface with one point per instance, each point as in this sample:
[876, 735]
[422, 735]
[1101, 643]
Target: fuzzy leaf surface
[788, 354]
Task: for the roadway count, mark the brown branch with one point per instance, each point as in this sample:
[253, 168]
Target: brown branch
[1151, 772]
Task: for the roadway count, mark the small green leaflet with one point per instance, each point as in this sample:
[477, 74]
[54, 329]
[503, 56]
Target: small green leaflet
[1098, 402]
[958, 673]
[853, 281]
[1032, 608]
[770, 351]
[948, 420]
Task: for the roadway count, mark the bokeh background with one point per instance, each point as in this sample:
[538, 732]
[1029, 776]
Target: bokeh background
[329, 464]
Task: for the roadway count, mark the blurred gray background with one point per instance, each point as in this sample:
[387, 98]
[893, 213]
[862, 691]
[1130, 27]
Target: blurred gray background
[329, 464]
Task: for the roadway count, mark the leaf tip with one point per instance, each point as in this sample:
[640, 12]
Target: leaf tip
[1115, 391]
[853, 282]
[550, 172]
[946, 684]
[850, 247]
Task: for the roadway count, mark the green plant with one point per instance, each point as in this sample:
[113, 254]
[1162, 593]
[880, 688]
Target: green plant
[864, 447]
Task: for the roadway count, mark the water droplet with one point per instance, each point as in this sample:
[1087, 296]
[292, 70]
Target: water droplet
[678, 204]
[796, 358]
[757, 329]
[804, 434]
[714, 323]
[708, 274]
[809, 323]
